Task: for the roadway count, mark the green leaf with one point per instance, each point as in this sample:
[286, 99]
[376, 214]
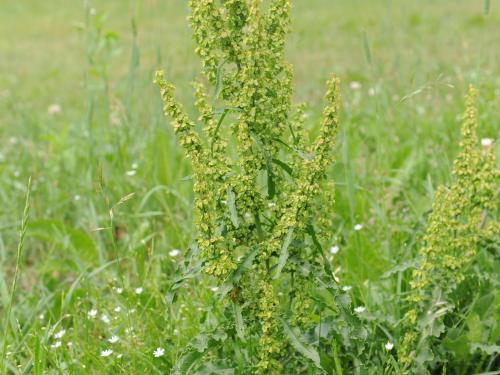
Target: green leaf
[284, 166]
[200, 343]
[238, 319]
[284, 252]
[219, 123]
[326, 263]
[231, 204]
[487, 349]
[188, 362]
[299, 345]
[271, 187]
[475, 329]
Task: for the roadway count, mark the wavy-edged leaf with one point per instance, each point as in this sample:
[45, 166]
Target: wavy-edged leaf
[299, 345]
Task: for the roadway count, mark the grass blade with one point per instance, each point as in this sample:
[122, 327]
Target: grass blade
[20, 245]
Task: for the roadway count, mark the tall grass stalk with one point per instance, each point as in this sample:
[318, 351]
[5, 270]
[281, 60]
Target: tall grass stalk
[20, 245]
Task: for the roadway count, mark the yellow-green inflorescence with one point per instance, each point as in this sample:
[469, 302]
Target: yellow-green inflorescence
[256, 177]
[463, 217]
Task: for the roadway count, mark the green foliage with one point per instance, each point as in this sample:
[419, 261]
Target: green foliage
[238, 212]
[462, 225]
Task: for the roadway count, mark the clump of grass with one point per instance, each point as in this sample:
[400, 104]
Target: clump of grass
[17, 271]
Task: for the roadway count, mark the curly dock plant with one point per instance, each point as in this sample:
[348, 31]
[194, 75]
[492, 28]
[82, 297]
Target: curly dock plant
[461, 223]
[256, 176]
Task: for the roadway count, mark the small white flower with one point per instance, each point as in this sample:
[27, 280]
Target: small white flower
[214, 289]
[159, 352]
[92, 11]
[371, 91]
[355, 85]
[119, 356]
[105, 319]
[55, 345]
[174, 252]
[92, 313]
[135, 165]
[138, 290]
[113, 339]
[119, 290]
[106, 353]
[59, 334]
[54, 109]
[334, 249]
[346, 288]
[358, 227]
[117, 309]
[77, 198]
[70, 344]
[486, 142]
[389, 345]
[359, 309]
[42, 317]
[132, 172]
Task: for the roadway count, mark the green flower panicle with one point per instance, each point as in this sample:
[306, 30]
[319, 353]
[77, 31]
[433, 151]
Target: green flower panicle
[462, 218]
[256, 177]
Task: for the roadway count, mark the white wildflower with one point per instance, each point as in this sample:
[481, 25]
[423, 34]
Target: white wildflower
[346, 288]
[59, 334]
[132, 172]
[486, 142]
[355, 85]
[92, 313]
[358, 227]
[54, 109]
[159, 352]
[214, 289]
[105, 319]
[114, 339]
[359, 309]
[119, 356]
[174, 252]
[371, 91]
[119, 290]
[138, 290]
[117, 309]
[106, 353]
[334, 249]
[55, 345]
[389, 345]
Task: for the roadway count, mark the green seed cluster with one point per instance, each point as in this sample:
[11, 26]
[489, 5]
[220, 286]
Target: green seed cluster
[256, 177]
[462, 219]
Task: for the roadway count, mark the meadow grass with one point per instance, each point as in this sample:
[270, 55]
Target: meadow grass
[80, 115]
